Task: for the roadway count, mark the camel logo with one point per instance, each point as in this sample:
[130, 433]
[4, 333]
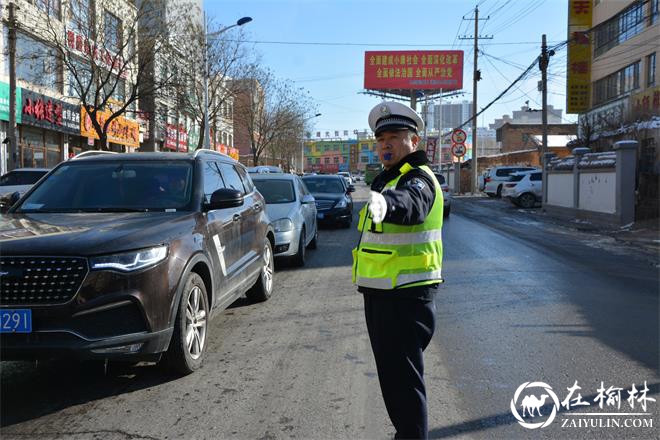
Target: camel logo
[531, 405]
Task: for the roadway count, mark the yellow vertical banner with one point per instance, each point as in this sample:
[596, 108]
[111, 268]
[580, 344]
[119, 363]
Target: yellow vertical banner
[578, 69]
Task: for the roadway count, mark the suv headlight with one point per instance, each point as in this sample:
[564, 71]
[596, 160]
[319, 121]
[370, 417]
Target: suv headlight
[342, 203]
[130, 261]
[283, 225]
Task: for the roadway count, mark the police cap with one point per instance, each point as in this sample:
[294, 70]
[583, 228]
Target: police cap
[390, 115]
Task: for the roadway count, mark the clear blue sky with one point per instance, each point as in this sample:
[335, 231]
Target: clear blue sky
[334, 73]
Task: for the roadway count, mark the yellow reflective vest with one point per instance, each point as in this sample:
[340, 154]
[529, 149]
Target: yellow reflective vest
[392, 256]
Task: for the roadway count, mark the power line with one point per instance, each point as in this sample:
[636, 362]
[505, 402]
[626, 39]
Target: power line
[303, 43]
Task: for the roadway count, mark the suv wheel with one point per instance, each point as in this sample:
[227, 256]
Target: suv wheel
[263, 288]
[527, 200]
[189, 339]
[299, 258]
[499, 192]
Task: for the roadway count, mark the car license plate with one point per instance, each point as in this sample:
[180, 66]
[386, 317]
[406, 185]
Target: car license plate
[15, 321]
[319, 216]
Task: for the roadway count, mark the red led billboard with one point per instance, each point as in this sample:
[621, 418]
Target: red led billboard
[413, 70]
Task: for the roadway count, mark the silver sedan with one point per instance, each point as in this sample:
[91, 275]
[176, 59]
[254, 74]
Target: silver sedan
[292, 211]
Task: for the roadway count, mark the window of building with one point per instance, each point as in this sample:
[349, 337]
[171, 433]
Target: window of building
[616, 84]
[81, 18]
[653, 12]
[326, 160]
[79, 79]
[231, 140]
[650, 70]
[112, 32]
[336, 159]
[37, 63]
[51, 7]
[619, 28]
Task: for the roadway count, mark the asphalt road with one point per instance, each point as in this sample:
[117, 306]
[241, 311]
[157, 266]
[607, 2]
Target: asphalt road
[523, 301]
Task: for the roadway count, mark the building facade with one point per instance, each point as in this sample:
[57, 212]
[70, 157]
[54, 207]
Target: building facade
[51, 126]
[623, 99]
[332, 156]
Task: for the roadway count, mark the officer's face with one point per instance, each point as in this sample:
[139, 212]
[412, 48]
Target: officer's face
[395, 145]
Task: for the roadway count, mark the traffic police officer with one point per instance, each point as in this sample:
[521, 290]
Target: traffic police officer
[397, 264]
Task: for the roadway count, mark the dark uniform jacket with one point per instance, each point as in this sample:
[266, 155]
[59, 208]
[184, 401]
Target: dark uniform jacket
[408, 204]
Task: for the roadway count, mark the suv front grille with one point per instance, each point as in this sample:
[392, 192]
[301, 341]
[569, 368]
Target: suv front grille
[324, 204]
[40, 280]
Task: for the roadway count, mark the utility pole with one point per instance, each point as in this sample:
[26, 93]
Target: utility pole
[476, 76]
[11, 128]
[543, 66]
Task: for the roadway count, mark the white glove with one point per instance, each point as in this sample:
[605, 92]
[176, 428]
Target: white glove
[377, 207]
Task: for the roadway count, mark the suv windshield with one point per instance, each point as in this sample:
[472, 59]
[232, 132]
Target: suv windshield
[276, 191]
[117, 186]
[322, 185]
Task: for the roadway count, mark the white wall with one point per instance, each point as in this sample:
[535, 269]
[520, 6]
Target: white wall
[560, 189]
[598, 192]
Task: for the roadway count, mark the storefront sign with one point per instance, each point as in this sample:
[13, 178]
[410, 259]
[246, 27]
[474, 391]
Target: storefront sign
[578, 76]
[171, 138]
[413, 70]
[121, 130]
[49, 113]
[4, 102]
[86, 48]
[647, 101]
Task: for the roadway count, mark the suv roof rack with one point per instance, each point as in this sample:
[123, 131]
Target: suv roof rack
[92, 153]
[208, 150]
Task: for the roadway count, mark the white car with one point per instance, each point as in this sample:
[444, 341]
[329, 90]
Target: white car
[494, 180]
[346, 175]
[446, 195]
[292, 211]
[19, 180]
[524, 189]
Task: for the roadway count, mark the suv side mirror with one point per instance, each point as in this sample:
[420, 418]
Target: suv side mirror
[225, 198]
[308, 198]
[350, 189]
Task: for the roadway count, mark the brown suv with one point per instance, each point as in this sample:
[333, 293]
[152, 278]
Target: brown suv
[127, 256]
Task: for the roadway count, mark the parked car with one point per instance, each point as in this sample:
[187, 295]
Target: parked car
[446, 195]
[346, 175]
[496, 177]
[524, 188]
[264, 169]
[18, 180]
[127, 256]
[334, 203]
[292, 211]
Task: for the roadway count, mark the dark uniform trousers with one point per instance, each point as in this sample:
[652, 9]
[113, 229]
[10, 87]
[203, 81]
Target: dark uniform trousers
[399, 330]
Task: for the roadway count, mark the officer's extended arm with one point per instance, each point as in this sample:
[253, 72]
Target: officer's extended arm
[411, 201]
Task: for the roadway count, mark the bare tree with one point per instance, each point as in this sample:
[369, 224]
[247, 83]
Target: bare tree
[269, 109]
[226, 56]
[102, 63]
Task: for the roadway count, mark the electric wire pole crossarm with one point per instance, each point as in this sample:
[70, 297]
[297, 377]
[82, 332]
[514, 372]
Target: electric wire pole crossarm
[240, 22]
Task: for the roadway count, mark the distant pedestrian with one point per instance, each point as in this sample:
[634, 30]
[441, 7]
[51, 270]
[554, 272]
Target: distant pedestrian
[397, 264]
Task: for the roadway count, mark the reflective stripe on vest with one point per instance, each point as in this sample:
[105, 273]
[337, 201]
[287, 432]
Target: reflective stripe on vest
[402, 237]
[403, 279]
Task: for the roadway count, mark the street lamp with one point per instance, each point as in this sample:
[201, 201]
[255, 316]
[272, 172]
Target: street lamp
[240, 22]
[302, 144]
